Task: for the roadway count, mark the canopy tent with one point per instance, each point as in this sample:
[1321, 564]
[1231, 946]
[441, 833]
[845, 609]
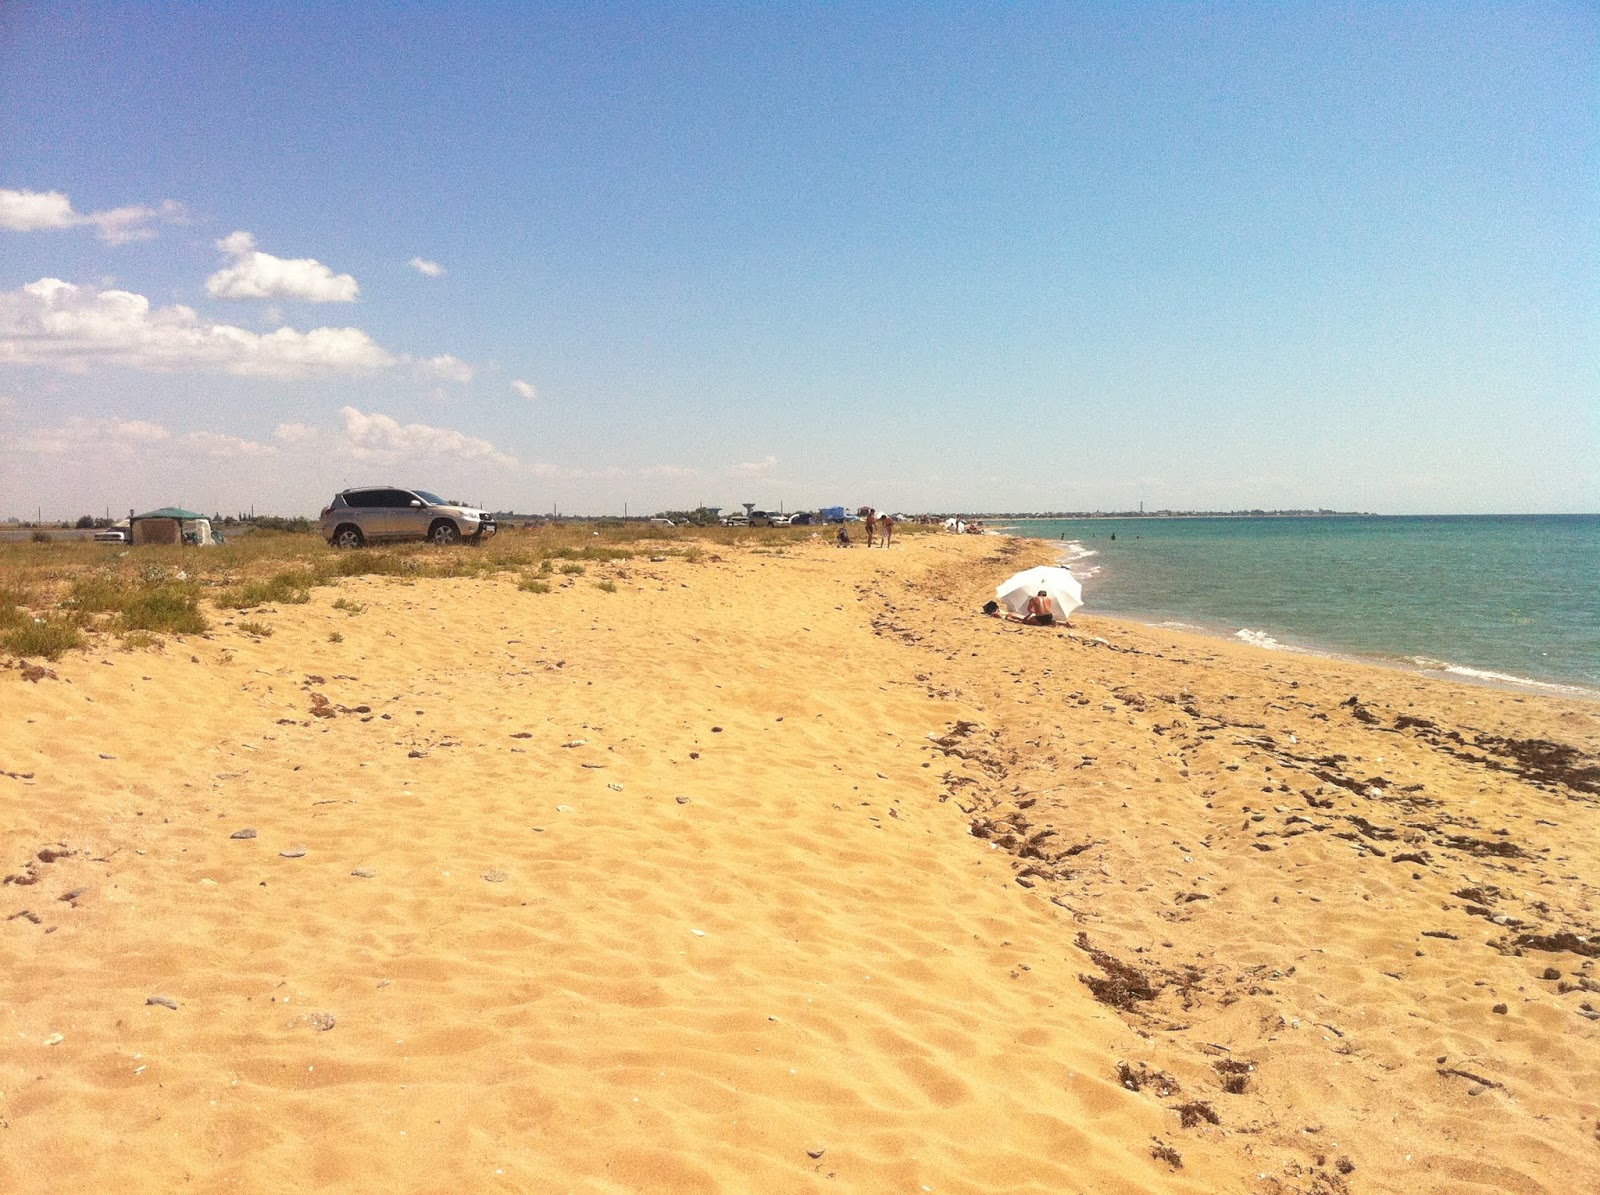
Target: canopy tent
[168, 512]
[170, 525]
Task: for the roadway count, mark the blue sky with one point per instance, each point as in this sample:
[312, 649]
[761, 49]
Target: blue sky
[1067, 256]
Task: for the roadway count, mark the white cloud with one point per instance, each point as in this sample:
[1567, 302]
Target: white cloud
[32, 211]
[57, 324]
[98, 437]
[224, 447]
[526, 389]
[378, 437]
[423, 266]
[668, 471]
[452, 369]
[258, 275]
[295, 433]
[755, 468]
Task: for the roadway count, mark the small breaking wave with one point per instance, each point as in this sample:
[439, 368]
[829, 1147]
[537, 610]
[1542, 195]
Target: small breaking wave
[1258, 639]
[1497, 678]
[1073, 555]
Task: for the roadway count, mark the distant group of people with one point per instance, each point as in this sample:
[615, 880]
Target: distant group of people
[880, 528]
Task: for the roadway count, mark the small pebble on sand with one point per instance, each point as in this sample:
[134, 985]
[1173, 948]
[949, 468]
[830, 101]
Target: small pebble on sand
[364, 873]
[163, 1001]
[294, 852]
[495, 877]
[245, 833]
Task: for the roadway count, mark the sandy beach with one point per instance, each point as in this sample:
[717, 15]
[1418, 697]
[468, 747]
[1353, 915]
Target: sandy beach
[786, 871]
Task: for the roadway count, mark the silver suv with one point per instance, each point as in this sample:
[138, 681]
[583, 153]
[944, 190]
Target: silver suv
[373, 514]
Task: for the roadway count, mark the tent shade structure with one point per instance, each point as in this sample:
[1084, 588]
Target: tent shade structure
[170, 525]
[1059, 585]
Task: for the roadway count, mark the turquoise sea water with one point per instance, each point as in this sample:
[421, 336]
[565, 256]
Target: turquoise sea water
[1500, 598]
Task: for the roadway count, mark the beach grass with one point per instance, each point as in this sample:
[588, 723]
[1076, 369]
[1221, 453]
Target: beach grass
[163, 589]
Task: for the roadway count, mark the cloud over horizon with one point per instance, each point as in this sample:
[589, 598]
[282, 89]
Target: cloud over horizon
[63, 326]
[258, 275]
[34, 211]
[431, 268]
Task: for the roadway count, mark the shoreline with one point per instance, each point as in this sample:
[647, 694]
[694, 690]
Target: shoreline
[784, 868]
[1070, 550]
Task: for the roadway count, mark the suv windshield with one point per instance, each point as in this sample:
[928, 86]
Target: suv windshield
[430, 499]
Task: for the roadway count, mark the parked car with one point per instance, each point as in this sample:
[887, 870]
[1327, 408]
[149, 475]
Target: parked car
[802, 518]
[375, 514]
[761, 518]
[110, 535]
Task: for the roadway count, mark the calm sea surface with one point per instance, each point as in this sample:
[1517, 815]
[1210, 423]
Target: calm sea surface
[1500, 598]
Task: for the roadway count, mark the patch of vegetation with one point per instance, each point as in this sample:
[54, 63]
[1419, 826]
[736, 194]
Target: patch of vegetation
[572, 570]
[607, 586]
[174, 609]
[349, 607]
[151, 603]
[41, 537]
[335, 637]
[47, 639]
[259, 629]
[12, 606]
[101, 592]
[366, 563]
[140, 641]
[287, 589]
[533, 585]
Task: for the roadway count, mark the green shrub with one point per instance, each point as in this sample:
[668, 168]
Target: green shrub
[12, 601]
[363, 563]
[174, 609]
[285, 589]
[96, 593]
[572, 570]
[335, 637]
[349, 607]
[259, 629]
[48, 639]
[608, 586]
[533, 585]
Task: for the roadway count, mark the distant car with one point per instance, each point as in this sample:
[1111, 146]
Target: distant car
[661, 522]
[761, 518]
[802, 518]
[110, 535]
[376, 514]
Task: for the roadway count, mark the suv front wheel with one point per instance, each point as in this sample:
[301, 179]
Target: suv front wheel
[444, 533]
[348, 536]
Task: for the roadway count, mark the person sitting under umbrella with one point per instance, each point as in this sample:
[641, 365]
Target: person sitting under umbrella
[1039, 613]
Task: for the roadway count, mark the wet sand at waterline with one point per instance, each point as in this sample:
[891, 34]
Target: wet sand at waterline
[787, 872]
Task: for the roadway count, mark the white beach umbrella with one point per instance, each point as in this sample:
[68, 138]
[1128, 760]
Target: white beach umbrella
[1059, 585]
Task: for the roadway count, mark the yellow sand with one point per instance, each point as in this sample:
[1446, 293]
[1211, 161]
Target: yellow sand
[672, 888]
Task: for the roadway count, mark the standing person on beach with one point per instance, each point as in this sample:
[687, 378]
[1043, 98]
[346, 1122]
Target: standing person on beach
[885, 529]
[870, 517]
